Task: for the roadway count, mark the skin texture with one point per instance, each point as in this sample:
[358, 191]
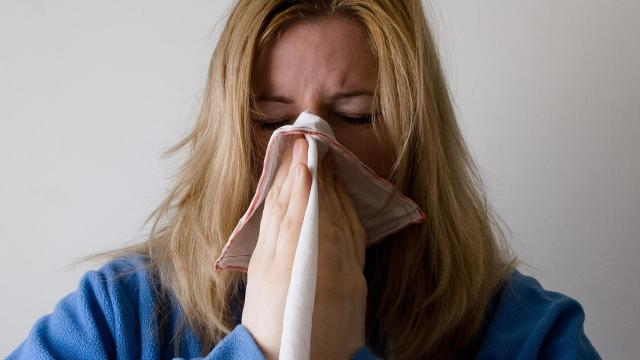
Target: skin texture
[302, 70]
[309, 67]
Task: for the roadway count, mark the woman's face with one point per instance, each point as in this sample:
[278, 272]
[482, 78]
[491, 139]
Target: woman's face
[323, 66]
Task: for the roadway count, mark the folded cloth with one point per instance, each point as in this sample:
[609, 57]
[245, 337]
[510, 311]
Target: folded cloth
[381, 209]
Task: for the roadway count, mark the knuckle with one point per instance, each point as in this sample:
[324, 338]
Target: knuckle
[280, 207]
[299, 167]
[287, 224]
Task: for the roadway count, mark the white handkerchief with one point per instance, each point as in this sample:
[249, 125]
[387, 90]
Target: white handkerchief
[382, 210]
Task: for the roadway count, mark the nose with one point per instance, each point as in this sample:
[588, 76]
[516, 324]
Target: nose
[323, 114]
[312, 103]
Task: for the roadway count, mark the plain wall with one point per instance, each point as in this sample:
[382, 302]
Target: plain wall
[547, 94]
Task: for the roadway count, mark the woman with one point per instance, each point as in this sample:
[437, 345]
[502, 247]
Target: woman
[446, 288]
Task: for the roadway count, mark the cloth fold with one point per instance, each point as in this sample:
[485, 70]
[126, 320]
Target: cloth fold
[381, 209]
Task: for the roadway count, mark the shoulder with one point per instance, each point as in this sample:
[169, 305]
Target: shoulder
[522, 292]
[110, 314]
[527, 321]
[122, 284]
[129, 274]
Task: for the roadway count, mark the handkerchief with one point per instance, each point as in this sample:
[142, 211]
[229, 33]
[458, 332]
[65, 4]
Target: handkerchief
[381, 209]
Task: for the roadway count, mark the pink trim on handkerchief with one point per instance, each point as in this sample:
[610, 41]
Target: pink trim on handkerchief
[257, 199]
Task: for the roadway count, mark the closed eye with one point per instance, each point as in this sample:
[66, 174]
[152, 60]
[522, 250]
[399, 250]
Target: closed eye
[273, 125]
[363, 119]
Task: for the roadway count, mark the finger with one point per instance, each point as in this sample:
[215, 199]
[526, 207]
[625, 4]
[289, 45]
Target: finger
[281, 173]
[343, 230]
[276, 203]
[327, 179]
[348, 243]
[279, 207]
[358, 247]
[300, 151]
[320, 177]
[283, 168]
[328, 166]
[299, 157]
[329, 250]
[292, 222]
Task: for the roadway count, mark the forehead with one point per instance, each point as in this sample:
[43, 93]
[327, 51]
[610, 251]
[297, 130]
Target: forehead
[331, 53]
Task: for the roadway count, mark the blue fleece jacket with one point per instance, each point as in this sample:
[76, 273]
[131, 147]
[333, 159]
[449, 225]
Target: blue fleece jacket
[112, 315]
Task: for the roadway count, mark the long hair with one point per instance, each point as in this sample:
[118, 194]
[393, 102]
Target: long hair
[428, 285]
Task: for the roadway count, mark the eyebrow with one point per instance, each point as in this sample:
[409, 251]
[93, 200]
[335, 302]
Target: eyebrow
[334, 97]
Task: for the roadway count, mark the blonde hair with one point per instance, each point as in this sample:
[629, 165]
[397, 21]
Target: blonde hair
[428, 285]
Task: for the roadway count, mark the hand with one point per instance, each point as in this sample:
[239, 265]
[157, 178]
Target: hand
[340, 301]
[270, 266]
[341, 289]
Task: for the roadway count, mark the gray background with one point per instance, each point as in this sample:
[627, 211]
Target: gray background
[547, 94]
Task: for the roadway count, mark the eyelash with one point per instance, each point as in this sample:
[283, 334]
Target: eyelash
[358, 120]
